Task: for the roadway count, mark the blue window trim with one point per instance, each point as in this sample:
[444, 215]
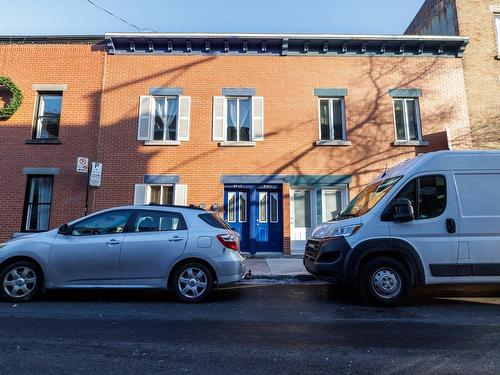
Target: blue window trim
[332, 92]
[165, 91]
[160, 179]
[239, 91]
[41, 171]
[405, 93]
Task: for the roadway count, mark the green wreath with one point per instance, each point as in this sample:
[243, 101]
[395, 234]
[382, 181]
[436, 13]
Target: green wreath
[15, 100]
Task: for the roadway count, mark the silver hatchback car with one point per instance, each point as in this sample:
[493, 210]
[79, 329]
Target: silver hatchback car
[188, 249]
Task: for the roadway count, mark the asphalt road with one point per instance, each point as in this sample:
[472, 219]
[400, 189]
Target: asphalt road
[279, 329]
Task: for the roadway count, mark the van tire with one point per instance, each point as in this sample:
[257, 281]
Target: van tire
[384, 281]
[195, 273]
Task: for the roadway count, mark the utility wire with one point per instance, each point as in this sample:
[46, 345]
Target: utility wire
[121, 19]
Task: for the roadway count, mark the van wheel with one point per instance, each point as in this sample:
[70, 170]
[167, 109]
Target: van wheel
[20, 281]
[384, 281]
[192, 282]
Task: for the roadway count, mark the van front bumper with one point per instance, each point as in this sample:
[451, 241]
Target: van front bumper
[324, 258]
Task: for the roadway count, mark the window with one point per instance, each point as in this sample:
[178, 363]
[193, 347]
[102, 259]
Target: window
[243, 207]
[263, 207]
[407, 119]
[161, 194]
[106, 223]
[274, 207]
[214, 220]
[431, 193]
[302, 208]
[332, 119]
[239, 119]
[48, 116]
[497, 26]
[332, 203]
[165, 119]
[231, 207]
[154, 221]
[37, 203]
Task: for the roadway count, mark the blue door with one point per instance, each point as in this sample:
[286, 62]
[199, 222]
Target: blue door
[268, 221]
[236, 214]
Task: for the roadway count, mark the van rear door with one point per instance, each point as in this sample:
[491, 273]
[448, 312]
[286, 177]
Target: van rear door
[479, 235]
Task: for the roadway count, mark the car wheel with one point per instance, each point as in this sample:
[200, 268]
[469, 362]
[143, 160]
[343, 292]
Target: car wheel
[20, 281]
[385, 282]
[192, 282]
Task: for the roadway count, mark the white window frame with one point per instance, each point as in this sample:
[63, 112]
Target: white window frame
[343, 200]
[496, 21]
[271, 195]
[162, 186]
[263, 193]
[406, 121]
[226, 118]
[242, 194]
[330, 117]
[153, 115]
[40, 108]
[229, 195]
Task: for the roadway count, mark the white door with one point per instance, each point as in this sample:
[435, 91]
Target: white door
[302, 217]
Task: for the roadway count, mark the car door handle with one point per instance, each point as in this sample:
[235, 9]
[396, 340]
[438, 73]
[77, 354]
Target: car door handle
[175, 239]
[113, 242]
[451, 227]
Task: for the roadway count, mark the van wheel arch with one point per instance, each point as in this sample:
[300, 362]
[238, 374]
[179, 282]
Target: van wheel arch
[400, 250]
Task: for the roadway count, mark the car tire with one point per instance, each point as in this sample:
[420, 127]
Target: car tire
[192, 282]
[20, 281]
[384, 281]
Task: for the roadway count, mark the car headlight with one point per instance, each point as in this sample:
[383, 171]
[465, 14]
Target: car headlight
[2, 245]
[326, 232]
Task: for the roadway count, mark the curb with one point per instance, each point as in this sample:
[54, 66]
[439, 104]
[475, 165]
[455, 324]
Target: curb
[296, 278]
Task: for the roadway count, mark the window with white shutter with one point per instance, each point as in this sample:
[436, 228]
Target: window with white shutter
[164, 119]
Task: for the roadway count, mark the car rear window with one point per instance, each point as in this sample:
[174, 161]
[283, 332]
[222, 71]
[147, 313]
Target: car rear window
[214, 220]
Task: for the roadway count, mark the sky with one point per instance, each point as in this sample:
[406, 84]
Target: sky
[79, 17]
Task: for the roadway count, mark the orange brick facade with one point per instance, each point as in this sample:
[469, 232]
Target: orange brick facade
[100, 114]
[474, 19]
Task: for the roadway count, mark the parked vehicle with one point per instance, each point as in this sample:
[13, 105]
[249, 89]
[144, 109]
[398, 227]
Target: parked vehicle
[188, 249]
[432, 219]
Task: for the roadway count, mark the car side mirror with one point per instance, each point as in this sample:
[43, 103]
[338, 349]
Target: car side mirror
[402, 211]
[64, 229]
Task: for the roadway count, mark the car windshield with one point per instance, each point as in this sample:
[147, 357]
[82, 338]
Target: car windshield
[368, 198]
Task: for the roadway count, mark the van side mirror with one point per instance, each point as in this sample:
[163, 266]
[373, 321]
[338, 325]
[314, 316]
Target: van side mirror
[402, 211]
[64, 229]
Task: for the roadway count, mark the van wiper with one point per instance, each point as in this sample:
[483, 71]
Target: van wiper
[346, 215]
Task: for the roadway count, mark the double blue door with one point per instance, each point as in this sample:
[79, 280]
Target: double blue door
[256, 213]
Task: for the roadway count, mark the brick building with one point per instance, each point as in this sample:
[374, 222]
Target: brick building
[274, 131]
[480, 21]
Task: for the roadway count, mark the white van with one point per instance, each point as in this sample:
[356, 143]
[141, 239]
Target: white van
[434, 219]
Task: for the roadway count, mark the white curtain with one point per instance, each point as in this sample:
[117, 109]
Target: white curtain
[44, 197]
[159, 121]
[172, 119]
[232, 120]
[245, 120]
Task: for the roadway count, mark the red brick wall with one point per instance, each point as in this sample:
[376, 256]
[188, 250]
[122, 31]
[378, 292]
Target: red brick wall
[81, 69]
[291, 120]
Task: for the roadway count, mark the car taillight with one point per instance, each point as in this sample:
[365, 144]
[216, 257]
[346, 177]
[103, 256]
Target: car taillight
[230, 241]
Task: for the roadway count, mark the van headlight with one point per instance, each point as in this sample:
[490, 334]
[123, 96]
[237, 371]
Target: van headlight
[325, 232]
[2, 245]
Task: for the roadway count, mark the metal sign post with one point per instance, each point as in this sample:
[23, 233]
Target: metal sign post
[94, 177]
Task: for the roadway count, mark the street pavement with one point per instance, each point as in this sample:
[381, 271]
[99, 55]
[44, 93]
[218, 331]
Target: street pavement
[252, 329]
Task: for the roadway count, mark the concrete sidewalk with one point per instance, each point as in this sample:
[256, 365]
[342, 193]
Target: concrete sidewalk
[276, 267]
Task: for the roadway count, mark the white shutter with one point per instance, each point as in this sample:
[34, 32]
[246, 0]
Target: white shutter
[257, 118]
[144, 123]
[184, 110]
[218, 118]
[180, 194]
[140, 194]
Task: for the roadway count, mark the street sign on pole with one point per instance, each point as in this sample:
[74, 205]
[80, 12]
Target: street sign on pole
[82, 165]
[95, 174]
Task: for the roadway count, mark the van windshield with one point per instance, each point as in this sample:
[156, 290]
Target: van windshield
[368, 198]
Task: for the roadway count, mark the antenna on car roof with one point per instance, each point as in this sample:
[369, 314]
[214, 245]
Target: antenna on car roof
[385, 171]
